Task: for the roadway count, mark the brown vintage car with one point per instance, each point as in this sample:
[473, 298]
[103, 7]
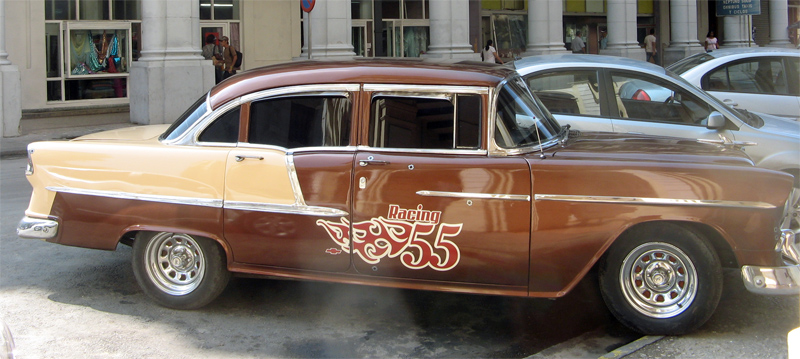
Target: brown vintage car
[415, 174]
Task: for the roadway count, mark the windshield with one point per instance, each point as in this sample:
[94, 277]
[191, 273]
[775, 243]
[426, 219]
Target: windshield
[689, 63]
[195, 111]
[522, 120]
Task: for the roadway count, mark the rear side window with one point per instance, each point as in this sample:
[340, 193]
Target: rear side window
[426, 123]
[225, 129]
[302, 121]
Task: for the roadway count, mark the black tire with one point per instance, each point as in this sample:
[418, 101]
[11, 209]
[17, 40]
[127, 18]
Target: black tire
[179, 271]
[661, 279]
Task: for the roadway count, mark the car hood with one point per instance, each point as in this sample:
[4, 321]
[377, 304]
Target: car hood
[780, 125]
[137, 133]
[633, 147]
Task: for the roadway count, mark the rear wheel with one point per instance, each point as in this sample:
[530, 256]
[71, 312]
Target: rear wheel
[661, 279]
[179, 270]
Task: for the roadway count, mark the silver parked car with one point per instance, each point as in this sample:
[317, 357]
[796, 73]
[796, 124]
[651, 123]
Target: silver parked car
[757, 79]
[613, 94]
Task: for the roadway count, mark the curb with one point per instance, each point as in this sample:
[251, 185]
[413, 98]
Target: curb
[632, 347]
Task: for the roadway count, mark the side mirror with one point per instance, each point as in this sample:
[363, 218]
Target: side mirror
[715, 121]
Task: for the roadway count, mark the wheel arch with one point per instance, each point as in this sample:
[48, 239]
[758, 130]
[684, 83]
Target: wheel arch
[128, 236]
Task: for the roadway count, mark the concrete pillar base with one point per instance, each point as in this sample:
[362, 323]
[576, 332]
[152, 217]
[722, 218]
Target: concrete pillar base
[10, 98]
[461, 52]
[162, 90]
[631, 52]
[553, 49]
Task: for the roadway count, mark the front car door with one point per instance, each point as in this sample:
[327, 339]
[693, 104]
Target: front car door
[573, 96]
[429, 203]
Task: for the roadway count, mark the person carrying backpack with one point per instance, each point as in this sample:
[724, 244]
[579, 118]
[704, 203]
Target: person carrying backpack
[229, 58]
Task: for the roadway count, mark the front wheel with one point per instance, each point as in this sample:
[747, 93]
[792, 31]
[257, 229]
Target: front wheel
[661, 279]
[178, 270]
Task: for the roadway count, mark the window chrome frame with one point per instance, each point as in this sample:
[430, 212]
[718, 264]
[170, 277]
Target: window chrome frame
[185, 138]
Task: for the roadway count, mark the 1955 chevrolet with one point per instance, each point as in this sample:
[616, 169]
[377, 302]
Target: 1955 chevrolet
[421, 175]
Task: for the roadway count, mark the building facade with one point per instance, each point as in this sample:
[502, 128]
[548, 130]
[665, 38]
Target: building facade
[66, 54]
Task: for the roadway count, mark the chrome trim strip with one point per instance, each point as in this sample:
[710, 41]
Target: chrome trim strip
[424, 88]
[318, 90]
[653, 201]
[37, 228]
[772, 280]
[285, 208]
[422, 151]
[299, 200]
[191, 201]
[507, 197]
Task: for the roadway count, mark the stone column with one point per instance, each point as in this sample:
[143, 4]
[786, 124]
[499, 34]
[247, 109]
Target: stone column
[331, 31]
[621, 20]
[683, 31]
[171, 74]
[10, 85]
[450, 30]
[778, 23]
[545, 28]
[737, 33]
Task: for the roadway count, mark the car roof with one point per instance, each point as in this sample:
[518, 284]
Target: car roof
[541, 62]
[361, 70]
[750, 51]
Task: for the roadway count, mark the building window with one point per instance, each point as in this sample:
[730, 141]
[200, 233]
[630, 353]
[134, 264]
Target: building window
[89, 47]
[391, 28]
[219, 9]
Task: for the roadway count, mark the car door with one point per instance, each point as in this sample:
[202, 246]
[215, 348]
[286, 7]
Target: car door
[428, 202]
[292, 168]
[573, 96]
[653, 106]
[763, 84]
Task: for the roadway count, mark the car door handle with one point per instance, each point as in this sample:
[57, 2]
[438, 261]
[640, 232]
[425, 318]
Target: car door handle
[241, 158]
[365, 163]
[730, 102]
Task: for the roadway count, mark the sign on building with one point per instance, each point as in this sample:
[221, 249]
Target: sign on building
[738, 7]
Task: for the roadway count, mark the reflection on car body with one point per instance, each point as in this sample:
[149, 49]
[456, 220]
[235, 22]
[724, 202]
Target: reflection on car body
[414, 174]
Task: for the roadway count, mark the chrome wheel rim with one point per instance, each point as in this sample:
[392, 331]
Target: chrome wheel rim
[658, 280]
[175, 263]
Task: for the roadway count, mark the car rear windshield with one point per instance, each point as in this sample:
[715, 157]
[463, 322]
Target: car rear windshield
[689, 63]
[195, 111]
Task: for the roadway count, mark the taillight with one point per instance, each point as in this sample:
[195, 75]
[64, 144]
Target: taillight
[29, 168]
[641, 95]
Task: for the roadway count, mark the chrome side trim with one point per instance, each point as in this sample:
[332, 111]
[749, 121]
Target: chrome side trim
[37, 228]
[299, 200]
[477, 152]
[423, 88]
[286, 208]
[772, 280]
[191, 201]
[653, 201]
[507, 197]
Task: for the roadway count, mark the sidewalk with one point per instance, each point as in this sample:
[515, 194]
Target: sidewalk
[60, 128]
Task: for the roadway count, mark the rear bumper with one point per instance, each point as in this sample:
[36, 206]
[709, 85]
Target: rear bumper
[37, 228]
[772, 280]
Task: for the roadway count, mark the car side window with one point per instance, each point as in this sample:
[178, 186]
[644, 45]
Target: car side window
[641, 98]
[425, 122]
[568, 92]
[762, 75]
[225, 129]
[301, 121]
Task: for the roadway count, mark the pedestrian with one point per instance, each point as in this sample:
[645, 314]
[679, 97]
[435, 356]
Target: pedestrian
[603, 39]
[211, 52]
[489, 53]
[711, 42]
[650, 46]
[228, 58]
[578, 46]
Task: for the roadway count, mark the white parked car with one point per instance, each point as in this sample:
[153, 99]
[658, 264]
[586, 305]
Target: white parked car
[757, 79]
[613, 94]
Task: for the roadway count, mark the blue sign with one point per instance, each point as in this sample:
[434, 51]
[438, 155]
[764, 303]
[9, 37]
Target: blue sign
[307, 5]
[738, 7]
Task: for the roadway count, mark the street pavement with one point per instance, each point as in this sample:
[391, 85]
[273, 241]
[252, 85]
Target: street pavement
[585, 346]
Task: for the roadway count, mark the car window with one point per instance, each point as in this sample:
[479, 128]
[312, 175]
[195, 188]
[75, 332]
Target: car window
[225, 129]
[425, 122]
[761, 75]
[187, 119]
[518, 123]
[642, 98]
[568, 92]
[689, 63]
[301, 121]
